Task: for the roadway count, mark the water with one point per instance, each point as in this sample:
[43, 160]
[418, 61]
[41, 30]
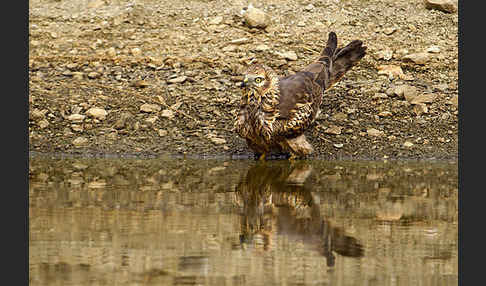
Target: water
[238, 222]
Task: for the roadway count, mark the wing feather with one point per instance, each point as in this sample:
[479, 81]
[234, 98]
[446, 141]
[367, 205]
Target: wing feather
[299, 101]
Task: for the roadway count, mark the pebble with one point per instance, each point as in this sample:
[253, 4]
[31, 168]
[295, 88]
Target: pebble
[256, 18]
[448, 6]
[433, 49]
[76, 118]
[379, 96]
[147, 107]
[261, 48]
[111, 52]
[420, 109]
[407, 92]
[407, 144]
[162, 132]
[309, 8]
[423, 98]
[152, 119]
[140, 83]
[334, 130]
[43, 124]
[385, 114]
[454, 101]
[392, 71]
[179, 79]
[136, 52]
[240, 41]
[80, 141]
[338, 145]
[167, 113]
[93, 75]
[96, 112]
[418, 58]
[216, 20]
[78, 75]
[291, 55]
[390, 30]
[374, 132]
[384, 55]
[38, 114]
[218, 141]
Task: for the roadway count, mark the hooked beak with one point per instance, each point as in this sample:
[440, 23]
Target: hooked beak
[244, 82]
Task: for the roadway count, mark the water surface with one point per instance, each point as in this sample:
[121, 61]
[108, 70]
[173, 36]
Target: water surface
[112, 221]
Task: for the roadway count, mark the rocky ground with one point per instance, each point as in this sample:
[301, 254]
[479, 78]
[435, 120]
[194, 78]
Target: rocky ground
[161, 77]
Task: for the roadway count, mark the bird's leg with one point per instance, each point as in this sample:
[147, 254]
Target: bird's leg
[292, 157]
[262, 157]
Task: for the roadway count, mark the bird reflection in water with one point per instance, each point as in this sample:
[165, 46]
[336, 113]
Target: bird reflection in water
[274, 198]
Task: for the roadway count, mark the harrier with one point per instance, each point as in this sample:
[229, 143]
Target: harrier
[275, 111]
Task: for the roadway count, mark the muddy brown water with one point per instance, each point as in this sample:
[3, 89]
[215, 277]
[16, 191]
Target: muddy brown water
[166, 221]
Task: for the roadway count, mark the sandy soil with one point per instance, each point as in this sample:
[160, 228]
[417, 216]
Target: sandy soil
[161, 77]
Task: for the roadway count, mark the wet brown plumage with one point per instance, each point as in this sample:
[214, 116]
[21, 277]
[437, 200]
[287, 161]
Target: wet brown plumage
[274, 112]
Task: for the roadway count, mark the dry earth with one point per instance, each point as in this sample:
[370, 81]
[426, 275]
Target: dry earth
[161, 77]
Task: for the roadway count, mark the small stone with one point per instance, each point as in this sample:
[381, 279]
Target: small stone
[216, 20]
[162, 132]
[96, 112]
[334, 130]
[38, 114]
[43, 124]
[76, 118]
[338, 145]
[256, 18]
[379, 96]
[420, 109]
[390, 30]
[149, 108]
[95, 3]
[111, 52]
[405, 91]
[240, 41]
[384, 55]
[167, 113]
[309, 8]
[407, 144]
[448, 6]
[218, 141]
[391, 71]
[374, 132]
[136, 52]
[80, 141]
[454, 100]
[290, 55]
[424, 98]
[261, 48]
[433, 49]
[385, 114]
[418, 58]
[301, 24]
[230, 48]
[179, 79]
[93, 75]
[340, 116]
[140, 83]
[72, 66]
[152, 119]
[78, 75]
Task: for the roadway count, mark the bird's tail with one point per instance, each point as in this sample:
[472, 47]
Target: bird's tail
[334, 62]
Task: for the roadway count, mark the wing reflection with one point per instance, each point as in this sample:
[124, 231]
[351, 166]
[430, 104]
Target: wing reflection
[274, 198]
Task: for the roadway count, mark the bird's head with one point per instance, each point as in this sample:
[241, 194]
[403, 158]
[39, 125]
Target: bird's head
[259, 79]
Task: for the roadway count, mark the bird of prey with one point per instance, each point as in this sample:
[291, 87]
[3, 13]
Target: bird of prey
[275, 111]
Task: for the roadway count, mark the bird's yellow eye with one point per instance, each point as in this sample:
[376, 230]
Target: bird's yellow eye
[258, 80]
